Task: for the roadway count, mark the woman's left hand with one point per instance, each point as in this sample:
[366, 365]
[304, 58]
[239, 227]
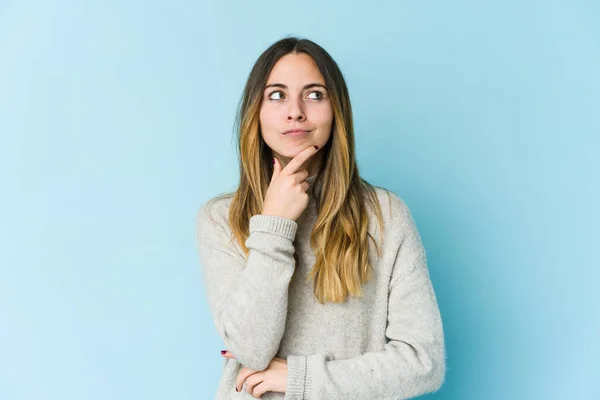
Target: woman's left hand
[272, 379]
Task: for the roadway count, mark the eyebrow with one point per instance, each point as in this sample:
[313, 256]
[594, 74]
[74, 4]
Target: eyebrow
[308, 86]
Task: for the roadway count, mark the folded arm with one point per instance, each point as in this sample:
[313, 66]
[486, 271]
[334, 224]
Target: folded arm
[248, 297]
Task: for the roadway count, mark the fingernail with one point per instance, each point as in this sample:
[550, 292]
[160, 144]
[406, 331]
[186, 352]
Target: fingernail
[236, 389]
[223, 352]
[273, 161]
[316, 147]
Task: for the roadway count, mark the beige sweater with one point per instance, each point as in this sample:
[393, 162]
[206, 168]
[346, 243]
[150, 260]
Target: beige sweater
[388, 344]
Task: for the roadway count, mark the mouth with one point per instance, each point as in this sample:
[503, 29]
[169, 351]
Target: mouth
[296, 132]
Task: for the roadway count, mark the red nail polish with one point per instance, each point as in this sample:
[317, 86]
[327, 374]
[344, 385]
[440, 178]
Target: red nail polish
[273, 161]
[237, 390]
[223, 352]
[316, 147]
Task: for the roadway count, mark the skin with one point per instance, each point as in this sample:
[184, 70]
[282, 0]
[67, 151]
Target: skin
[286, 195]
[272, 379]
[296, 107]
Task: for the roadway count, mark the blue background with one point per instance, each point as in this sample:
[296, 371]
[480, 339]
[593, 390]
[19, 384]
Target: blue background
[116, 123]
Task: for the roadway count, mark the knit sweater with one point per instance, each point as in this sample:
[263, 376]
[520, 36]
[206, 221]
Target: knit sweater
[386, 344]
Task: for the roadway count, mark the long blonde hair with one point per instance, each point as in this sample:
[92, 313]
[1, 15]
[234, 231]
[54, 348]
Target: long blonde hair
[339, 237]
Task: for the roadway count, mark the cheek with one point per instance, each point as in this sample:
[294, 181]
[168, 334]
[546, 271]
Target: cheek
[322, 116]
[268, 118]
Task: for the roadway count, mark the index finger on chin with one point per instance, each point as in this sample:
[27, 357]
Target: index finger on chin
[299, 159]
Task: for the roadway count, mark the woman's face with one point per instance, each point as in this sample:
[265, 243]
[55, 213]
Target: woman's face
[295, 97]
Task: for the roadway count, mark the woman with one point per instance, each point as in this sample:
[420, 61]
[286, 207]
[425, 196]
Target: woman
[316, 280]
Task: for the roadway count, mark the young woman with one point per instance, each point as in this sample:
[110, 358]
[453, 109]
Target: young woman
[316, 280]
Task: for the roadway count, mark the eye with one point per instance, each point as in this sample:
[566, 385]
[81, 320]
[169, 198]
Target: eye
[276, 92]
[319, 95]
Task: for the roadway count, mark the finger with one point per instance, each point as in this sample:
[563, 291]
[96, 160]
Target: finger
[305, 185]
[300, 176]
[244, 374]
[260, 389]
[300, 159]
[252, 382]
[227, 354]
[276, 169]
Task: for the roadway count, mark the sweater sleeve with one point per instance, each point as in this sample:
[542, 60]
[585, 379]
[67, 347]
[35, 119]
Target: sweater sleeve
[248, 297]
[411, 363]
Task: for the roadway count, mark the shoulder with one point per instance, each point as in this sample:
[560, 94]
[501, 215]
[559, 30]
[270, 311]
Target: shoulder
[393, 207]
[214, 213]
[398, 221]
[213, 229]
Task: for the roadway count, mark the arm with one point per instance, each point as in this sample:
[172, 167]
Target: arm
[247, 297]
[412, 361]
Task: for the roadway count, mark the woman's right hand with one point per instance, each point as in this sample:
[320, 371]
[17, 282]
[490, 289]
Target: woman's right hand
[286, 196]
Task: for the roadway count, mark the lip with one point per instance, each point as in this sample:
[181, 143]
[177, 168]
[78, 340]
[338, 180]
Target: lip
[295, 132]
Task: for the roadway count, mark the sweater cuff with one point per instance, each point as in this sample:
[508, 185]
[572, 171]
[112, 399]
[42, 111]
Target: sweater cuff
[274, 224]
[296, 377]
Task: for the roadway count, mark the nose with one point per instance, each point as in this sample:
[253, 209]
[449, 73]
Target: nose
[296, 111]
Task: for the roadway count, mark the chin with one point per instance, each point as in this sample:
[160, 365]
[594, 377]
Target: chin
[287, 153]
[292, 150]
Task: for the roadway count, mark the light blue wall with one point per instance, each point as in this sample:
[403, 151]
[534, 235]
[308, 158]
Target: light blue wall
[116, 124]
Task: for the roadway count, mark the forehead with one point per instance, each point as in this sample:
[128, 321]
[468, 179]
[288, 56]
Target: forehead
[295, 68]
